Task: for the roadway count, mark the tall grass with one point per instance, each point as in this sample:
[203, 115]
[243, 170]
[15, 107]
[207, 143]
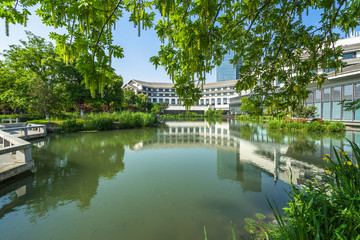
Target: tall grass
[104, 121]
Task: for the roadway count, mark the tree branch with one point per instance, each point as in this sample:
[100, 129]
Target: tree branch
[102, 29]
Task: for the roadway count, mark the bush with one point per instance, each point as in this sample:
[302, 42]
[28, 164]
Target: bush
[274, 124]
[72, 125]
[288, 120]
[301, 120]
[99, 122]
[336, 127]
[315, 126]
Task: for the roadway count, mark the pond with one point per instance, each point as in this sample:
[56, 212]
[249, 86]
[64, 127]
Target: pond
[164, 183]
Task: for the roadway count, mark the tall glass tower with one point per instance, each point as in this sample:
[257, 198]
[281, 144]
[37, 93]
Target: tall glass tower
[226, 71]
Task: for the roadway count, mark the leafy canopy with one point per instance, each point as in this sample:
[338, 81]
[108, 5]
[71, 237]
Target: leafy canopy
[268, 35]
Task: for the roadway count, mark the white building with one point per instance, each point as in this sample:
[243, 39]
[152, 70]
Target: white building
[214, 95]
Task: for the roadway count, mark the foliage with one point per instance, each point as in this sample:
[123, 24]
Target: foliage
[259, 227]
[303, 125]
[251, 106]
[301, 120]
[164, 106]
[336, 127]
[106, 121]
[269, 36]
[328, 210]
[213, 113]
[303, 111]
[156, 108]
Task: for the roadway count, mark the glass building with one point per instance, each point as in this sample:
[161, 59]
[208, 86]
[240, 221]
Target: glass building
[226, 71]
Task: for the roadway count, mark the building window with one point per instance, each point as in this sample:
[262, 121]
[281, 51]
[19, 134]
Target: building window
[310, 98]
[219, 88]
[225, 100]
[213, 94]
[349, 55]
[154, 100]
[173, 101]
[161, 100]
[213, 101]
[166, 100]
[219, 101]
[201, 101]
[317, 96]
[336, 94]
[207, 101]
[348, 92]
[166, 94]
[213, 89]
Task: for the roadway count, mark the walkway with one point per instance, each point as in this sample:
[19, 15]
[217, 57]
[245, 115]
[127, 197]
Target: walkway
[15, 152]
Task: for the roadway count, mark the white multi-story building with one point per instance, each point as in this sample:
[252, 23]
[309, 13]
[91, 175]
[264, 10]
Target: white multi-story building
[214, 95]
[345, 85]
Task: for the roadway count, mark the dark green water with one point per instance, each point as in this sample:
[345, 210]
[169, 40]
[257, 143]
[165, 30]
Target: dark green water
[158, 184]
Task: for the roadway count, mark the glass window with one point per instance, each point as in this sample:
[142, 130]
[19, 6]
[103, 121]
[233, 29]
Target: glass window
[154, 100]
[172, 101]
[318, 110]
[326, 95]
[201, 101]
[166, 100]
[317, 96]
[357, 114]
[213, 101]
[219, 101]
[357, 91]
[207, 101]
[213, 89]
[161, 100]
[348, 92]
[326, 110]
[336, 110]
[336, 94]
[349, 55]
[310, 98]
[225, 100]
[347, 115]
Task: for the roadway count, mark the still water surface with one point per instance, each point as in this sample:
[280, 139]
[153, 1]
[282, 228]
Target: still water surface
[158, 184]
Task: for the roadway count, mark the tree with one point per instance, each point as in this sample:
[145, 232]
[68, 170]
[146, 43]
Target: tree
[305, 111]
[252, 107]
[142, 102]
[268, 35]
[129, 97]
[164, 106]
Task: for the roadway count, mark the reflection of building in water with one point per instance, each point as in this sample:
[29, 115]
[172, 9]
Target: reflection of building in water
[244, 150]
[229, 166]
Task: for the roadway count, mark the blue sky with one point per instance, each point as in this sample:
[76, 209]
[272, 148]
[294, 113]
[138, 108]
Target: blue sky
[137, 50]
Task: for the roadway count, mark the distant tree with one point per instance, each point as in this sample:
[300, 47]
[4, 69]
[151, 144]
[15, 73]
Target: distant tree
[43, 98]
[143, 102]
[252, 107]
[164, 106]
[155, 108]
[129, 97]
[303, 111]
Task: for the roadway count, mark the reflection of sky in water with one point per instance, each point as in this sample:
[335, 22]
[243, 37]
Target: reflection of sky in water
[164, 183]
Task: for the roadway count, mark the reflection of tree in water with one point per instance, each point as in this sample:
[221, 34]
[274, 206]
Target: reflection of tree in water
[69, 167]
[245, 131]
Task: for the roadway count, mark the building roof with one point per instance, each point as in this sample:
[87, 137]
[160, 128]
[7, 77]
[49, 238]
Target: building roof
[170, 85]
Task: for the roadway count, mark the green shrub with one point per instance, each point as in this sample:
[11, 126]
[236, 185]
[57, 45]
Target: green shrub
[301, 120]
[71, 125]
[274, 124]
[316, 126]
[336, 127]
[99, 122]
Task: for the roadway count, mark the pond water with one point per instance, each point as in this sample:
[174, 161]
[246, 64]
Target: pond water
[164, 183]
